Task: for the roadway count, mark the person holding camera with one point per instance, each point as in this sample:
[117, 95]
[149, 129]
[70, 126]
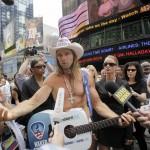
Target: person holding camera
[37, 67]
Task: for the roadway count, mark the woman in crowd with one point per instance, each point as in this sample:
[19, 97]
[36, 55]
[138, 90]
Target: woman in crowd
[134, 76]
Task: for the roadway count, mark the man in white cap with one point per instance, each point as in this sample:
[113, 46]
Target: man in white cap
[68, 76]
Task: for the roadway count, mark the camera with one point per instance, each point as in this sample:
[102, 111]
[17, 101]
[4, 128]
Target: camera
[30, 51]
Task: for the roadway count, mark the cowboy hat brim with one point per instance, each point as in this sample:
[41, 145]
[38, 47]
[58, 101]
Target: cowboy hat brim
[75, 47]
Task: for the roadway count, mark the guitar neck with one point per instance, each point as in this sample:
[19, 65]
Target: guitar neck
[96, 125]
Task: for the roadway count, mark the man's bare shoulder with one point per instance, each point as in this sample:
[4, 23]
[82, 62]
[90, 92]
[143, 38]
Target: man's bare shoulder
[52, 78]
[52, 75]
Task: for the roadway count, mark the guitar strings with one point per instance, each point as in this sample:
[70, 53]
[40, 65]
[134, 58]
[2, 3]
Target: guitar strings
[95, 125]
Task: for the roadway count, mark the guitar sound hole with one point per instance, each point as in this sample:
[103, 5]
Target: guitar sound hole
[70, 131]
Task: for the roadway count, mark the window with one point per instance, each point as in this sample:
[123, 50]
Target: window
[85, 43]
[22, 7]
[22, 19]
[132, 30]
[147, 26]
[113, 34]
[97, 40]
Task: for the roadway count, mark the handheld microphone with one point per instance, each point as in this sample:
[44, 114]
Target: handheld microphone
[121, 94]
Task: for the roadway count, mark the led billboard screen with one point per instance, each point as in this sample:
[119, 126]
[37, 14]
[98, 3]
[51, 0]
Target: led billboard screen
[99, 9]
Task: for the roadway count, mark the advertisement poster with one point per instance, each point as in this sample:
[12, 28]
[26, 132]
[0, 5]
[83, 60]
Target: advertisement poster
[20, 43]
[34, 32]
[8, 35]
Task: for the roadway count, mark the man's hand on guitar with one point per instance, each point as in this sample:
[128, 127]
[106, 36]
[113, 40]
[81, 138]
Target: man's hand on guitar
[126, 119]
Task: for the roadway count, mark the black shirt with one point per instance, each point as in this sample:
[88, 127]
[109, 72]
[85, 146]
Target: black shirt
[29, 88]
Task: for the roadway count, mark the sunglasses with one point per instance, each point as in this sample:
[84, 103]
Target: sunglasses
[132, 70]
[110, 64]
[40, 66]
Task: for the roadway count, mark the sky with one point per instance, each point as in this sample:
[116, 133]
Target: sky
[51, 10]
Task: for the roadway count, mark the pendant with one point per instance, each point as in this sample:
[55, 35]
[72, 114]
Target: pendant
[71, 99]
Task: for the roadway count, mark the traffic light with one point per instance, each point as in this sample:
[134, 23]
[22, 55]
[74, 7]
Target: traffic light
[8, 2]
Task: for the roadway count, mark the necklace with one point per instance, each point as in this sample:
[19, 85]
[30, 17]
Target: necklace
[69, 88]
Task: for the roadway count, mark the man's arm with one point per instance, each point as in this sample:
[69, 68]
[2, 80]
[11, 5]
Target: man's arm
[100, 107]
[24, 66]
[26, 106]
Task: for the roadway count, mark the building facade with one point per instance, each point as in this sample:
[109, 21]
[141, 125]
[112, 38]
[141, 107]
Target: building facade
[123, 31]
[19, 12]
[12, 27]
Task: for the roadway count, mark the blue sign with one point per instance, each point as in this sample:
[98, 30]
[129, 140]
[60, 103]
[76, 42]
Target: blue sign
[134, 45]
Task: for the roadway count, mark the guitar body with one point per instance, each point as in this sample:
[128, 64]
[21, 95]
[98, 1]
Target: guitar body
[41, 124]
[75, 117]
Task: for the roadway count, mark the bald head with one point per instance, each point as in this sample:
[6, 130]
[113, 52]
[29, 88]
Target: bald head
[146, 67]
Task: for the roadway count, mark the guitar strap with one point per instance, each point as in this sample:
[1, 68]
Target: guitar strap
[18, 134]
[87, 90]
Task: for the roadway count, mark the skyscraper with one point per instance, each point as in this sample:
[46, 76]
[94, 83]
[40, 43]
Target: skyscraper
[19, 12]
[12, 27]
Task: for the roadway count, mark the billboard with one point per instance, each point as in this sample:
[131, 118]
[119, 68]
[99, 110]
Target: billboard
[99, 9]
[8, 35]
[20, 44]
[70, 24]
[123, 50]
[144, 9]
[34, 32]
[94, 14]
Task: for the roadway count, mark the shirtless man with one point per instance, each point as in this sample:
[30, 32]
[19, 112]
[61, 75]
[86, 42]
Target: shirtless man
[69, 77]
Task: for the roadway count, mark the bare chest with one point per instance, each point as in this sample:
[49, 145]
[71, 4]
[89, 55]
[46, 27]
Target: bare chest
[74, 92]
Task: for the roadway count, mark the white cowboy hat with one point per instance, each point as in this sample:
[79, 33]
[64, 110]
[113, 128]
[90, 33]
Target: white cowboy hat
[64, 42]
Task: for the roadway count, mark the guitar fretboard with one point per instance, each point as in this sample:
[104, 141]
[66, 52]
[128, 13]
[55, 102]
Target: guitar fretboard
[93, 126]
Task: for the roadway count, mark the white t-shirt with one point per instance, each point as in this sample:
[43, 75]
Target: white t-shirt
[6, 91]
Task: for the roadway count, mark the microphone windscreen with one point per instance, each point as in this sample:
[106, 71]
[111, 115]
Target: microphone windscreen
[111, 87]
[121, 94]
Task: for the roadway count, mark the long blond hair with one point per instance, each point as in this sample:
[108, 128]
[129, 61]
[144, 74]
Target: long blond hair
[92, 68]
[75, 67]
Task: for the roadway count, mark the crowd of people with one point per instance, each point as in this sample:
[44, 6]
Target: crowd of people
[33, 90]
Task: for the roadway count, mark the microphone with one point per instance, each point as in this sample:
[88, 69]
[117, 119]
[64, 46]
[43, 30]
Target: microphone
[121, 94]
